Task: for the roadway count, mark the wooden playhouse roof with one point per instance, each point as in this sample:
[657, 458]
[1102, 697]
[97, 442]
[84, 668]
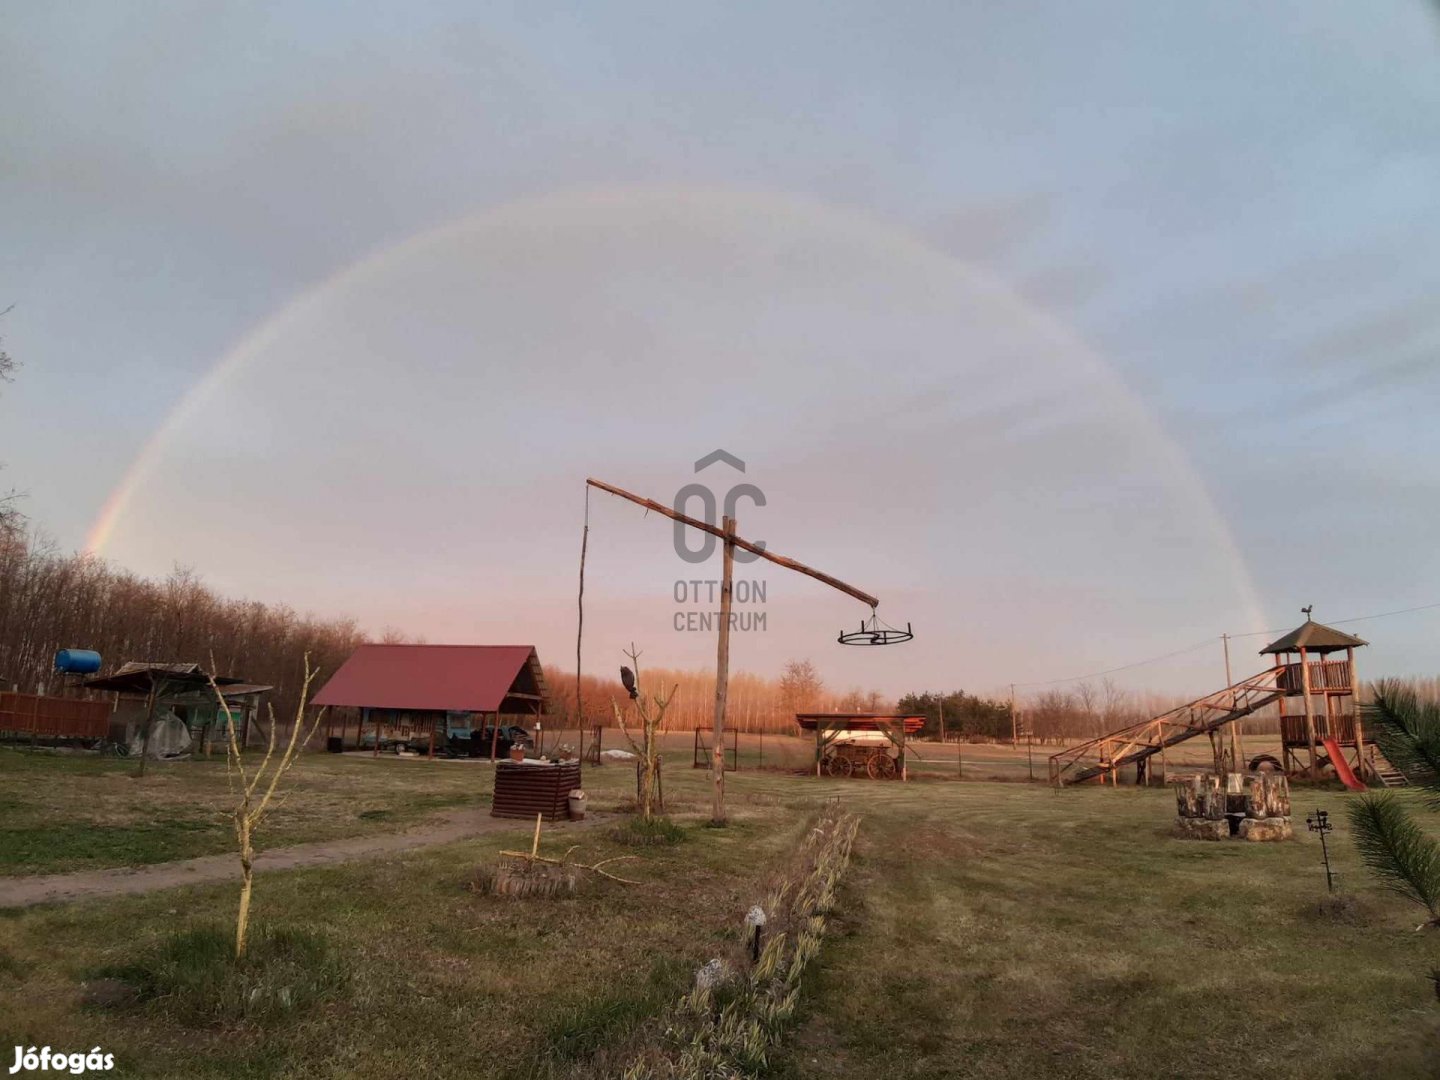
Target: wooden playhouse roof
[1313, 637]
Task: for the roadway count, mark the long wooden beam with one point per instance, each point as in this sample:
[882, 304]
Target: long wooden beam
[778, 560]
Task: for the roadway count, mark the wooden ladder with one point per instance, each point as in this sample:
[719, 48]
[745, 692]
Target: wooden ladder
[1388, 775]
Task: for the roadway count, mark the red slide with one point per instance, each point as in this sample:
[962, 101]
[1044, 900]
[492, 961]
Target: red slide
[1342, 767]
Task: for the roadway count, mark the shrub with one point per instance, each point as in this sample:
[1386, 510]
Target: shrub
[645, 832]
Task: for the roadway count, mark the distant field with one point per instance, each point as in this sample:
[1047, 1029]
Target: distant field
[947, 761]
[985, 930]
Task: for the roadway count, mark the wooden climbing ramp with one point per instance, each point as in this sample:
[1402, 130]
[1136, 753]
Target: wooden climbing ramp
[1103, 757]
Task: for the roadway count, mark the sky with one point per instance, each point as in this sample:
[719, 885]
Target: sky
[1077, 334]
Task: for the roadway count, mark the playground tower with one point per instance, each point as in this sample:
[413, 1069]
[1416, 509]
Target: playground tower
[1329, 691]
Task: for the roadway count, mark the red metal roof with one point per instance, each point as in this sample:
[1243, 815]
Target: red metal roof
[460, 678]
[860, 721]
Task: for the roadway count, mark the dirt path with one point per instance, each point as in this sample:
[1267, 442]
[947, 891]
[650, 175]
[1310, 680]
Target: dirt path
[122, 881]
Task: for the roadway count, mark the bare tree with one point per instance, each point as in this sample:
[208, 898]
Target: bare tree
[255, 793]
[9, 516]
[652, 715]
[800, 686]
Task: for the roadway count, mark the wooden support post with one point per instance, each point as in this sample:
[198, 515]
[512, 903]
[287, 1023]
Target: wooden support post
[1309, 712]
[904, 763]
[375, 726]
[1355, 710]
[722, 674]
[150, 703]
[494, 735]
[433, 721]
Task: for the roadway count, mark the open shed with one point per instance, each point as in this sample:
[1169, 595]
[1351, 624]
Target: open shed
[146, 690]
[856, 744]
[435, 693]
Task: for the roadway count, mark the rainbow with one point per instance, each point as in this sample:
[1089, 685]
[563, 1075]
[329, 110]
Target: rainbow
[539, 212]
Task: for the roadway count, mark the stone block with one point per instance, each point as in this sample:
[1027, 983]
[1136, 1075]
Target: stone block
[1201, 828]
[1266, 829]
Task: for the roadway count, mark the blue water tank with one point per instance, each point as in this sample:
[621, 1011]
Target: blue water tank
[77, 662]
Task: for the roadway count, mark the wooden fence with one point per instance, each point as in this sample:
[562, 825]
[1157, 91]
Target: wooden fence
[52, 717]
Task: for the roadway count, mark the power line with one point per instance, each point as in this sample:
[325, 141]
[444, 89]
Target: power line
[1123, 667]
[1384, 614]
[1211, 641]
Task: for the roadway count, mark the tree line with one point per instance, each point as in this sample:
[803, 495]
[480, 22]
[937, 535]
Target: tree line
[51, 601]
[754, 703]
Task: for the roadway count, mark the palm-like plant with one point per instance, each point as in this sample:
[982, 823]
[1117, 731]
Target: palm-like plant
[1392, 845]
[1397, 850]
[1408, 731]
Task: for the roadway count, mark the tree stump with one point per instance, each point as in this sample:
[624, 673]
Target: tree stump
[1255, 796]
[1277, 795]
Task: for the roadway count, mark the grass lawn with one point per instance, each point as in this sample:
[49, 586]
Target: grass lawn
[986, 930]
[61, 812]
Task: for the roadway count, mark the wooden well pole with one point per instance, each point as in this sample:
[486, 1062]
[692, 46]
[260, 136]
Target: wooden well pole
[722, 676]
[722, 655]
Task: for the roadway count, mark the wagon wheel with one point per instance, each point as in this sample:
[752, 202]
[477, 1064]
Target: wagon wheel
[880, 767]
[839, 766]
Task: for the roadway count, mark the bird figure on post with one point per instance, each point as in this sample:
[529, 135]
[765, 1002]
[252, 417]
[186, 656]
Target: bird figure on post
[628, 678]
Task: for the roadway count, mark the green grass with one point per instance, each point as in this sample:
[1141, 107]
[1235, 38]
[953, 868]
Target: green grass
[86, 844]
[1034, 934]
[640, 832]
[63, 812]
[983, 930]
[192, 975]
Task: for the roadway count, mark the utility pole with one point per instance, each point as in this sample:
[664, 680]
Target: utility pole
[722, 651]
[1014, 728]
[1237, 745]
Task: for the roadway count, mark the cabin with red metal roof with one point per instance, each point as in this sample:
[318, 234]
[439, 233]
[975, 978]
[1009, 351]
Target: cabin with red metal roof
[448, 698]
